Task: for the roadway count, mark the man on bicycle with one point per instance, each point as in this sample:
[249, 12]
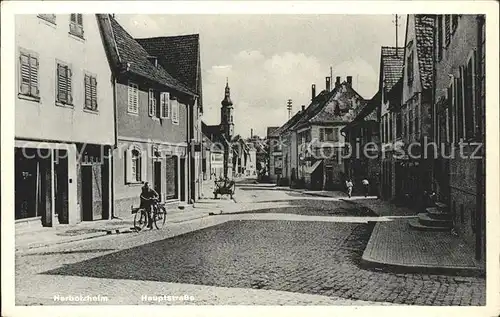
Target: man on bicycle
[148, 197]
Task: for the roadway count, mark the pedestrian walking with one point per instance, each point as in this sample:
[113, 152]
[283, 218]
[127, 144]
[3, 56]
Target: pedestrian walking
[349, 185]
[366, 186]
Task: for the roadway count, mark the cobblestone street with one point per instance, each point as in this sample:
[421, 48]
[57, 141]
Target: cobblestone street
[237, 259]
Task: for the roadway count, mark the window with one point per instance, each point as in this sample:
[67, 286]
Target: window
[439, 37]
[447, 29]
[409, 67]
[90, 92]
[450, 112]
[76, 24]
[390, 128]
[405, 124]
[386, 119]
[328, 134]
[48, 17]
[454, 23]
[165, 105]
[135, 165]
[481, 71]
[152, 103]
[133, 98]
[175, 111]
[469, 98]
[64, 91]
[399, 127]
[459, 118]
[410, 123]
[417, 127]
[28, 75]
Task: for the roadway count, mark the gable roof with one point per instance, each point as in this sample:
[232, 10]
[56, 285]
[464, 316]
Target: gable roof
[286, 127]
[370, 106]
[270, 130]
[394, 95]
[391, 66]
[424, 34]
[127, 55]
[325, 116]
[313, 108]
[178, 55]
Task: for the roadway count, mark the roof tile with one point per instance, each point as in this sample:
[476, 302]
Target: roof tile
[424, 33]
[179, 56]
[131, 52]
[392, 60]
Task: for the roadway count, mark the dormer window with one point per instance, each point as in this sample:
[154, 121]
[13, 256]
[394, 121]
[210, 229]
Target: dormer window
[153, 60]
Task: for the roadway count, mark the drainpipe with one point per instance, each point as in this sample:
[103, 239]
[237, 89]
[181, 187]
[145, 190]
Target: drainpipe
[188, 153]
[111, 156]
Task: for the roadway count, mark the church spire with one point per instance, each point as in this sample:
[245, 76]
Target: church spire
[227, 96]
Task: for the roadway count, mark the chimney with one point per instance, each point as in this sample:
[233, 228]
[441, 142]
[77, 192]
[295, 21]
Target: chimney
[251, 133]
[337, 82]
[303, 107]
[327, 84]
[349, 81]
[313, 91]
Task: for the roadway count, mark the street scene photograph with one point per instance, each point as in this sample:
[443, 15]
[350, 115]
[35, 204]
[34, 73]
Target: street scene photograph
[250, 159]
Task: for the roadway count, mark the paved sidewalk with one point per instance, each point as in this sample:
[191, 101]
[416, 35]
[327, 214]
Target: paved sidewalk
[46, 236]
[394, 245]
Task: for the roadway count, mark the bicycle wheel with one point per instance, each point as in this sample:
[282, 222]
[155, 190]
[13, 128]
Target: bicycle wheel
[140, 219]
[160, 217]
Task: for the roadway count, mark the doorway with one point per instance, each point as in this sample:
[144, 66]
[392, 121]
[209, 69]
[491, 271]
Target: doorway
[26, 175]
[183, 179]
[87, 197]
[61, 186]
[157, 177]
[329, 177]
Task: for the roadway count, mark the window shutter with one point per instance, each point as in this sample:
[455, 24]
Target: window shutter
[61, 83]
[453, 114]
[169, 106]
[150, 103]
[144, 166]
[471, 91]
[130, 98]
[460, 110]
[133, 98]
[25, 73]
[34, 76]
[164, 105]
[93, 86]
[136, 98]
[447, 29]
[454, 18]
[128, 165]
[175, 111]
[88, 93]
[69, 92]
[321, 134]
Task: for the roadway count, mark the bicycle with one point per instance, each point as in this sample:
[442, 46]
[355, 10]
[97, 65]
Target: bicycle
[158, 217]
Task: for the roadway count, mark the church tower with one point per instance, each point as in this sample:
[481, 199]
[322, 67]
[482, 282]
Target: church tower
[226, 120]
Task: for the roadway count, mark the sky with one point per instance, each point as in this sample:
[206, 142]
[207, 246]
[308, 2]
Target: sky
[269, 59]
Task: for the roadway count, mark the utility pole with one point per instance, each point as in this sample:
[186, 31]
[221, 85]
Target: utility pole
[396, 23]
[289, 108]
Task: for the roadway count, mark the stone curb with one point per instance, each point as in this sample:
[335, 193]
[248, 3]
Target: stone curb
[368, 262]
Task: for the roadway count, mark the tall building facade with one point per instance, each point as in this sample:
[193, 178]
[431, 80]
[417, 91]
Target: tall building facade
[64, 119]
